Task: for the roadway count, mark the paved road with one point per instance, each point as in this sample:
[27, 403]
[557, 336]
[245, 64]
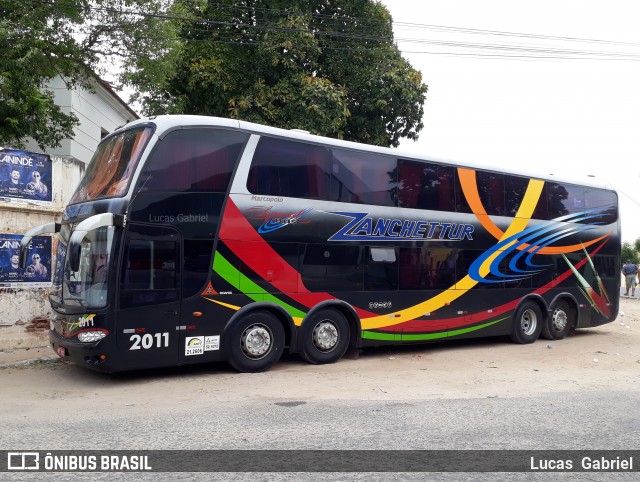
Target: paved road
[83, 410]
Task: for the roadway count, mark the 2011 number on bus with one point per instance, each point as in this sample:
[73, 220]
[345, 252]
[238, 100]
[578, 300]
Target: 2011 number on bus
[146, 341]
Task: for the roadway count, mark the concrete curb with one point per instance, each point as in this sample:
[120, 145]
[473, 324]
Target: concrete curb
[29, 362]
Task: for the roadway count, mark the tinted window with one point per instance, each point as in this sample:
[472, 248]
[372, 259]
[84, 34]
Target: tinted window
[491, 190]
[332, 268]
[563, 199]
[361, 177]
[193, 159]
[461, 202]
[427, 268]
[382, 270]
[150, 271]
[110, 169]
[295, 169]
[604, 202]
[514, 191]
[425, 186]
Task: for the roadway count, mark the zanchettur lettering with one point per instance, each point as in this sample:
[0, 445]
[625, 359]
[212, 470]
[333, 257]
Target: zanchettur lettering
[364, 227]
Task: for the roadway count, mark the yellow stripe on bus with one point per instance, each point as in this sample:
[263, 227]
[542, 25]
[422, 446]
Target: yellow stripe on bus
[529, 202]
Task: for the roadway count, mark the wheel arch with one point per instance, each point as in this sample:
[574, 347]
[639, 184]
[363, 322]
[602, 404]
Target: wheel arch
[276, 310]
[349, 312]
[573, 302]
[537, 299]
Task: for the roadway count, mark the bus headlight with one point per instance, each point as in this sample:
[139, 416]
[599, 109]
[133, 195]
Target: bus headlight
[92, 335]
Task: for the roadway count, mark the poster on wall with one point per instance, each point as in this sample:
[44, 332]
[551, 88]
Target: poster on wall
[25, 177]
[37, 272]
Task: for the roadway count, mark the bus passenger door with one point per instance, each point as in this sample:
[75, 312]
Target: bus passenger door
[148, 315]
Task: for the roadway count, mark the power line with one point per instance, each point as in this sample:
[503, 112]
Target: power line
[335, 40]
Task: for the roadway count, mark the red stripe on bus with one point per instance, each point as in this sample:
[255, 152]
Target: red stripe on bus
[245, 242]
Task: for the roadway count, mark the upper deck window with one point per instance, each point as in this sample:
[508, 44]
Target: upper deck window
[112, 165]
[297, 169]
[193, 159]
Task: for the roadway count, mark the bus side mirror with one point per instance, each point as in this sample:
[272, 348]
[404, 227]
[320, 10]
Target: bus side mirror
[89, 224]
[73, 255]
[23, 257]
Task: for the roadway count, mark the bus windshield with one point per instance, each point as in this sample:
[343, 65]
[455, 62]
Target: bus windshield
[86, 287]
[112, 165]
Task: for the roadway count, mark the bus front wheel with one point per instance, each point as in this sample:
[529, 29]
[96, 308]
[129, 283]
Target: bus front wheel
[257, 342]
[324, 337]
[560, 322]
[527, 323]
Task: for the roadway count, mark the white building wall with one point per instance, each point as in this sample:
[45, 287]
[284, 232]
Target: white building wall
[97, 111]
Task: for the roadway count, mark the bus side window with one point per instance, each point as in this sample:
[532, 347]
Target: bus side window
[491, 190]
[428, 268]
[364, 177]
[289, 168]
[382, 269]
[425, 185]
[514, 191]
[327, 267]
[150, 273]
[195, 159]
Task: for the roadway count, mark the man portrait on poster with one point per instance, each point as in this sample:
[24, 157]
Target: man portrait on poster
[13, 184]
[12, 271]
[36, 269]
[36, 187]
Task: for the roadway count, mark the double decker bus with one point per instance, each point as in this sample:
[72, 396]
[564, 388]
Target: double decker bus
[196, 239]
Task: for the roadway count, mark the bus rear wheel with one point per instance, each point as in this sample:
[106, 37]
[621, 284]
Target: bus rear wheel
[527, 323]
[257, 342]
[324, 337]
[558, 325]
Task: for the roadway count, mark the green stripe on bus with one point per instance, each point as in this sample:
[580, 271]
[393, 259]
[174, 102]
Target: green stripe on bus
[372, 335]
[234, 277]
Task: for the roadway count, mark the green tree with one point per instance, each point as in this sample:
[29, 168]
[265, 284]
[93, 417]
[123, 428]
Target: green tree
[325, 66]
[631, 251]
[41, 40]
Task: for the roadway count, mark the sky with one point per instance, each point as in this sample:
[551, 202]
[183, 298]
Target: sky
[572, 111]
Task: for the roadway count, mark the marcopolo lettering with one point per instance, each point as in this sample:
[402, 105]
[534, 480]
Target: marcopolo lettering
[364, 227]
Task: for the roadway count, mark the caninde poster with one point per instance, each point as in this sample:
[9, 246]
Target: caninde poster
[25, 176]
[37, 272]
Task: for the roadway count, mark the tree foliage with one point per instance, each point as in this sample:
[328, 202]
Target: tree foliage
[631, 251]
[327, 66]
[41, 40]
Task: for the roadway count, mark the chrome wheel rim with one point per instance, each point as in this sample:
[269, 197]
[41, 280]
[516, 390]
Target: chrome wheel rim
[559, 319]
[529, 322]
[325, 336]
[256, 341]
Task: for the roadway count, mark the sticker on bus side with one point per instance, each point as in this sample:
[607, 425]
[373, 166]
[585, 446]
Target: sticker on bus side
[194, 345]
[211, 343]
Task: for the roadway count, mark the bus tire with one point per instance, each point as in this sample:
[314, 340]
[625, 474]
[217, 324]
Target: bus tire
[560, 322]
[256, 342]
[324, 337]
[527, 323]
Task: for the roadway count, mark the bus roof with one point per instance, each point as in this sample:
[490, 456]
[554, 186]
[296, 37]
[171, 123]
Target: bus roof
[168, 122]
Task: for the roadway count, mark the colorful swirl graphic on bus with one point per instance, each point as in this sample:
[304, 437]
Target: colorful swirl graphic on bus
[276, 220]
[519, 252]
[528, 243]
